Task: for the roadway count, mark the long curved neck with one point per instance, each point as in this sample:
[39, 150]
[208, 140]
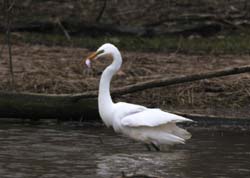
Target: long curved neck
[105, 102]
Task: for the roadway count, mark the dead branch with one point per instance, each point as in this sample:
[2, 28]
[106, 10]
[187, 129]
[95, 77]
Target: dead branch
[165, 81]
[98, 18]
[178, 80]
[11, 5]
[58, 21]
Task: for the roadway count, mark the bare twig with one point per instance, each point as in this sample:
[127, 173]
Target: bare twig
[58, 21]
[98, 18]
[8, 8]
[11, 5]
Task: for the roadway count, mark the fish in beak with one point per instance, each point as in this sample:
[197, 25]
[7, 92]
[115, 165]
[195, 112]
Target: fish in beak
[91, 57]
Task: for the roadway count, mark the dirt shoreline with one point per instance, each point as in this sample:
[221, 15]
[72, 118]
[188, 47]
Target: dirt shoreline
[43, 69]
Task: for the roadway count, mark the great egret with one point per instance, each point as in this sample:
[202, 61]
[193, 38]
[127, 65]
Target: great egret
[151, 126]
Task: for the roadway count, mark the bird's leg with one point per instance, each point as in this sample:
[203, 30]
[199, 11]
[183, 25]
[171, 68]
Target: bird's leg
[148, 146]
[155, 147]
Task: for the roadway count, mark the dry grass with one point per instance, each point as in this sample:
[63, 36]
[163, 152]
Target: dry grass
[44, 69]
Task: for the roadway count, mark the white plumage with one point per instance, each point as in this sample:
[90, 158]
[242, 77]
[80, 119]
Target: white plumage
[151, 126]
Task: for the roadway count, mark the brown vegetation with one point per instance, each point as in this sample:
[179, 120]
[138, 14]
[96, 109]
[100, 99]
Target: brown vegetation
[44, 69]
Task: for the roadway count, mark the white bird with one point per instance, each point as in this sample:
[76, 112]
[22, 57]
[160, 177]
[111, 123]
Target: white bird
[151, 126]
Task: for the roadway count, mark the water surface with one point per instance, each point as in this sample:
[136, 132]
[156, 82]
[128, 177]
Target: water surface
[66, 150]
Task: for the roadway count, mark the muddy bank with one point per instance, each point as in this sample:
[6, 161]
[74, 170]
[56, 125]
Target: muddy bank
[42, 69]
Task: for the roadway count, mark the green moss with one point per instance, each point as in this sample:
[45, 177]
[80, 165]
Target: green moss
[227, 43]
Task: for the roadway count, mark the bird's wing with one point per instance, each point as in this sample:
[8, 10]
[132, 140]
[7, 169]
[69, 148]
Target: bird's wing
[125, 109]
[151, 118]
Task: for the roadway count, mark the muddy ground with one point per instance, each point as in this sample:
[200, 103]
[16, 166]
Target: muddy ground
[43, 69]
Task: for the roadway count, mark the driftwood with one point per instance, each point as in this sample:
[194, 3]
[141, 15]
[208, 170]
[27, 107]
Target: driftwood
[84, 106]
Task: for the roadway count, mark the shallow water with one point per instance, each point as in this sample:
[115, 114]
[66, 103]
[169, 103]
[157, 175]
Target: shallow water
[66, 150]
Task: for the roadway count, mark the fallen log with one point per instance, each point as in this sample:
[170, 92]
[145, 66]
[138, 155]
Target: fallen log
[39, 106]
[84, 106]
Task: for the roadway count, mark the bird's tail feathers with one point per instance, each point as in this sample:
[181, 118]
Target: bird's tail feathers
[173, 129]
[170, 134]
[165, 138]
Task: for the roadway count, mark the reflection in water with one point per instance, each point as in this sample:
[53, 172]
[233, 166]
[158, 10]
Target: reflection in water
[52, 150]
[148, 163]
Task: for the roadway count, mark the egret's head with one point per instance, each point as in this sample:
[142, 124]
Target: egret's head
[104, 50]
